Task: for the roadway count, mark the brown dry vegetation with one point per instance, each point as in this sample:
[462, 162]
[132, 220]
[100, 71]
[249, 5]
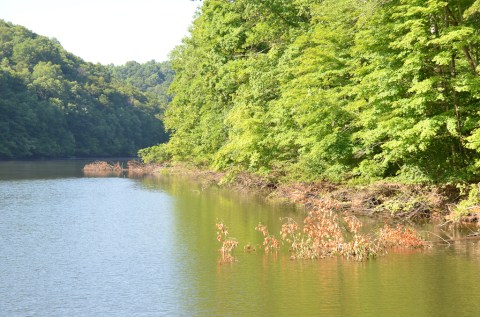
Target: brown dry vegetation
[103, 166]
[326, 232]
[105, 169]
[409, 202]
[137, 169]
[228, 244]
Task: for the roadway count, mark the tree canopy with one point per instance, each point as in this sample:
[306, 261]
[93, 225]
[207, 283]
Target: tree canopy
[332, 89]
[152, 78]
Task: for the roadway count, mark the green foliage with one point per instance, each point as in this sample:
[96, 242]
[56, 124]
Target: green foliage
[471, 202]
[152, 78]
[53, 104]
[335, 90]
[154, 154]
[411, 58]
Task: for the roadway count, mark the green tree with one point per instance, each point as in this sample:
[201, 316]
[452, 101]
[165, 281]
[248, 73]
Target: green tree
[415, 82]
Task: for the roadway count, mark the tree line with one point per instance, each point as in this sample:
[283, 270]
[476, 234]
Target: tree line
[332, 89]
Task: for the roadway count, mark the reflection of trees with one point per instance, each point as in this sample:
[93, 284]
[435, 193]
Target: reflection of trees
[418, 284]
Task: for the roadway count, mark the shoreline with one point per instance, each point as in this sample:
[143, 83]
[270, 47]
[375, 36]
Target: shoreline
[74, 158]
[331, 226]
[388, 200]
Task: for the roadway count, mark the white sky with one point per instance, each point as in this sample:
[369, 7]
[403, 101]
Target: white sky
[107, 31]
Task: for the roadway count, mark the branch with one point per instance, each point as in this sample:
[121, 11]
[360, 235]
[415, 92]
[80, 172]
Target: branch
[470, 60]
[465, 50]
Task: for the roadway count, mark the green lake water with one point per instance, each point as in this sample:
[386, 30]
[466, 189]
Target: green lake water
[72, 245]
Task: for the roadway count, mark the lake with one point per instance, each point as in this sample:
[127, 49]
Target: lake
[112, 246]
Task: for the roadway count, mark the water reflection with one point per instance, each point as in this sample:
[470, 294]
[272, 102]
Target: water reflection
[73, 246]
[400, 284]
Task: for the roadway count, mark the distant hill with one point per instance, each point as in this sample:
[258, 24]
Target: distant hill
[151, 77]
[54, 104]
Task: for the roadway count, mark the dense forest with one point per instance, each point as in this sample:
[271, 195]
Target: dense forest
[332, 89]
[152, 77]
[54, 104]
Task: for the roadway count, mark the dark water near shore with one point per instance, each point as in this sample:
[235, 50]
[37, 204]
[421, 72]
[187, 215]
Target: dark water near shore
[78, 246]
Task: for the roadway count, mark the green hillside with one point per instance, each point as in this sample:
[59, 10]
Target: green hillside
[54, 104]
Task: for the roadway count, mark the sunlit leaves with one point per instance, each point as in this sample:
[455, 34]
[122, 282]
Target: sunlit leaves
[330, 89]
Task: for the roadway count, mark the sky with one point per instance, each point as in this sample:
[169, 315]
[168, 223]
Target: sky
[107, 31]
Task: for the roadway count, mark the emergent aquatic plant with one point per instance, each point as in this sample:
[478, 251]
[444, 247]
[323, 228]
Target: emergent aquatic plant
[228, 244]
[326, 232]
[270, 243]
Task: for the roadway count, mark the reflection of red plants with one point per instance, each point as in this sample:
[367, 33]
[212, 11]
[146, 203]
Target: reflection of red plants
[400, 237]
[228, 244]
[269, 241]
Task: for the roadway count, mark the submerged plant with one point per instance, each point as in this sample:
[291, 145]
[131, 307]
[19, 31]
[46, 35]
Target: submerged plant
[228, 244]
[325, 232]
[323, 236]
[400, 236]
[361, 246]
[270, 243]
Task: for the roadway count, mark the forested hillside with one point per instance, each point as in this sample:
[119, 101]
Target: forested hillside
[333, 89]
[152, 77]
[53, 104]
